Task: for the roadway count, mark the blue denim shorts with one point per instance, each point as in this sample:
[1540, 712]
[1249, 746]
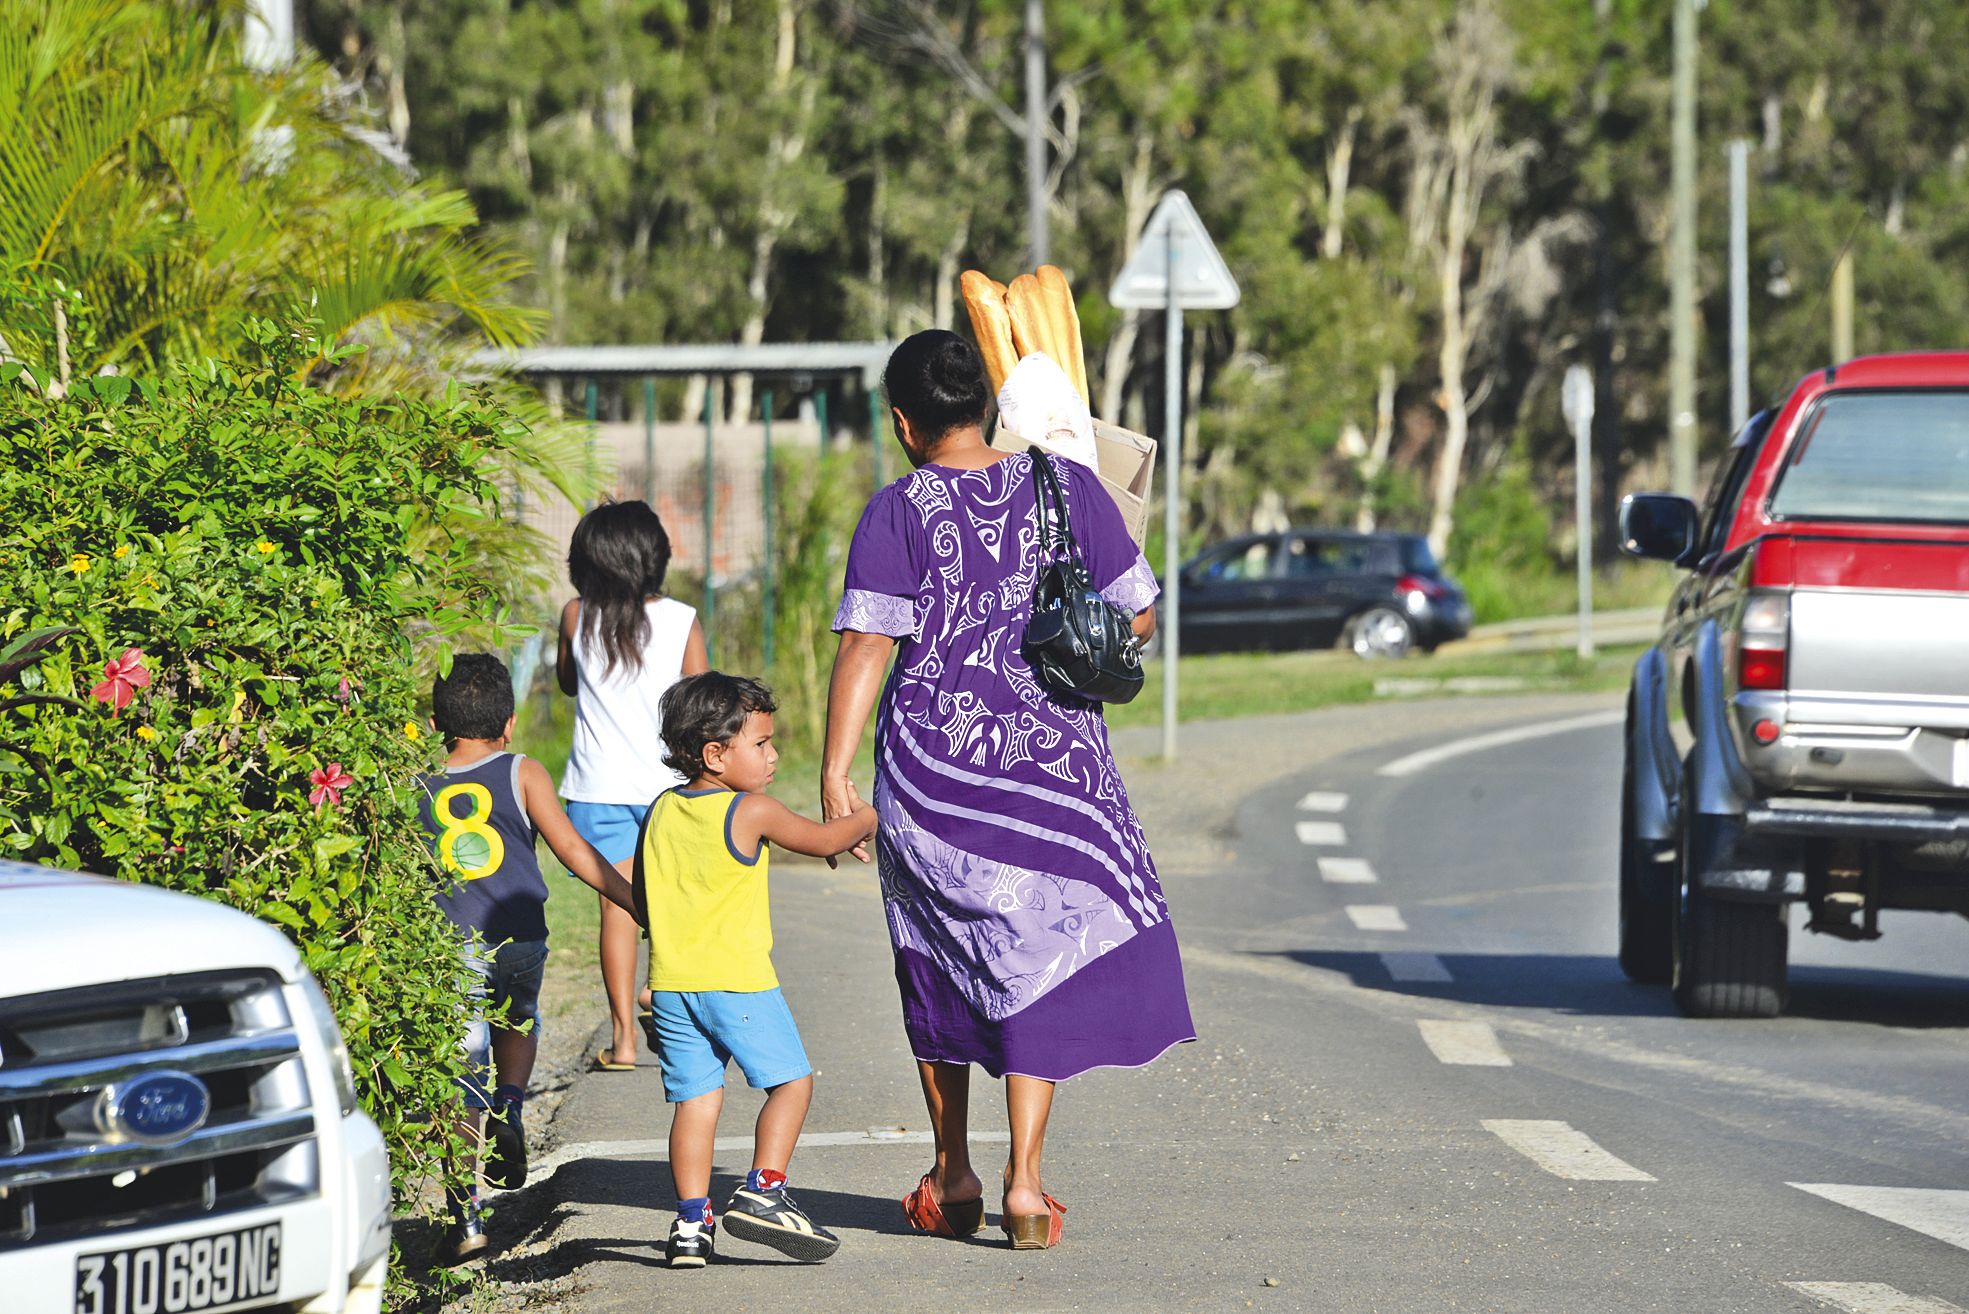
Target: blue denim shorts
[508, 976]
[610, 827]
[698, 1032]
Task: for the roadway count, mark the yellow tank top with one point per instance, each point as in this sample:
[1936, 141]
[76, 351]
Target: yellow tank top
[709, 928]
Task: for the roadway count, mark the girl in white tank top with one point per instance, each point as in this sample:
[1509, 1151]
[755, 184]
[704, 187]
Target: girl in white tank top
[622, 645]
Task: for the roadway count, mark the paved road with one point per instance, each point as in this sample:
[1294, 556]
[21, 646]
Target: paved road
[1422, 1083]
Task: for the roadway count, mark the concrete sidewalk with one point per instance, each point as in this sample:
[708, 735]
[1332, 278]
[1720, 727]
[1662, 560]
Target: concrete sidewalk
[1176, 1175]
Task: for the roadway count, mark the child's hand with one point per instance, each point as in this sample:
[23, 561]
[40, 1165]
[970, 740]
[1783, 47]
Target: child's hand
[839, 798]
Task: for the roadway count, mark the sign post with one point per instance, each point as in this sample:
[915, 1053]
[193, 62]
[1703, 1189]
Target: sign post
[1176, 267]
[1576, 399]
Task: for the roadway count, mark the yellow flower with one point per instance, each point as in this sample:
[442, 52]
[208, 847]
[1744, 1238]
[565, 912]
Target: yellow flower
[149, 579]
[145, 733]
[122, 551]
[79, 563]
[263, 547]
[411, 732]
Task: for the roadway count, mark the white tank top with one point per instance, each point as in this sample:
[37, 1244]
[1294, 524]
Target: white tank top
[617, 753]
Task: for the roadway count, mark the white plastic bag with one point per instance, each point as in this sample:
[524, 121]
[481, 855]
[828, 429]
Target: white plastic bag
[1040, 404]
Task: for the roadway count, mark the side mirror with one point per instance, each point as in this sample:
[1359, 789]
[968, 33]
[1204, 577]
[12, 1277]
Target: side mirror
[1659, 526]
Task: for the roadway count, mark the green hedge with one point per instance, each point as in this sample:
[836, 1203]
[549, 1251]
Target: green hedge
[255, 576]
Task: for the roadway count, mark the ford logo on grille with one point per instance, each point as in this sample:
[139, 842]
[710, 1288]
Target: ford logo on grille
[156, 1108]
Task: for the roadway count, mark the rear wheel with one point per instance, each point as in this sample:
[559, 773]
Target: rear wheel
[1647, 898]
[1380, 632]
[1729, 955]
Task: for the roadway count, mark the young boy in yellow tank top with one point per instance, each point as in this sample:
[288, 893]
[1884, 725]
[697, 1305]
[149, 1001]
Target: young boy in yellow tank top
[701, 877]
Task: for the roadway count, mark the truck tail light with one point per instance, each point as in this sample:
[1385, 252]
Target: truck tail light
[1763, 640]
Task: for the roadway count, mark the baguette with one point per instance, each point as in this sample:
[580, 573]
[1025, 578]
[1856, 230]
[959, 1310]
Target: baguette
[991, 324]
[1030, 330]
[1063, 327]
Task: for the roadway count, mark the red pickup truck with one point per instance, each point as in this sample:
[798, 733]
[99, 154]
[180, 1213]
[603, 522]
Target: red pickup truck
[1800, 730]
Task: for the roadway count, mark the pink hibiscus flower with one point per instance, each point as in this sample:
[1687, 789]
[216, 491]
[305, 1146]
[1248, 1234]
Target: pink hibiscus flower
[121, 680]
[328, 782]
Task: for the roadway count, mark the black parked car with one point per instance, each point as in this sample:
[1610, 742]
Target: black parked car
[1379, 594]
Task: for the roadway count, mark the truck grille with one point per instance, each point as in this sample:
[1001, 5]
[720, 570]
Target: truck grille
[63, 1175]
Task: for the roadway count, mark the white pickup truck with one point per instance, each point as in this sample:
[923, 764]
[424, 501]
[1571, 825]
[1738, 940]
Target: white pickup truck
[179, 1129]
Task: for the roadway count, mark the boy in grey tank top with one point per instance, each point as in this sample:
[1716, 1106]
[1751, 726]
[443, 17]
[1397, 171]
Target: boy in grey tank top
[482, 813]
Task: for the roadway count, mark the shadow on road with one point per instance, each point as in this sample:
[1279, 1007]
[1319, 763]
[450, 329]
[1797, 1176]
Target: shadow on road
[1591, 985]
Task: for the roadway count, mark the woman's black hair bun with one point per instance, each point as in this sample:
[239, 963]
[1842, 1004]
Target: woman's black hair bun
[937, 379]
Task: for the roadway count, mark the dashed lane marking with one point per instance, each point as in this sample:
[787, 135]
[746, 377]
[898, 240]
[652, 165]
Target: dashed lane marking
[1872, 1298]
[1943, 1215]
[1376, 917]
[1415, 967]
[1471, 1044]
[1428, 757]
[1563, 1150]
[1346, 871]
[1322, 801]
[1321, 832]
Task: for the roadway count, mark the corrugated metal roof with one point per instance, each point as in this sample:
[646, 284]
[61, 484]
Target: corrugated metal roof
[781, 359]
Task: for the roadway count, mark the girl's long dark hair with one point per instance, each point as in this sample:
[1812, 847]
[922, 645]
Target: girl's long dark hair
[617, 559]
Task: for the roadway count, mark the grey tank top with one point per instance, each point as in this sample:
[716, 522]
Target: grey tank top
[483, 840]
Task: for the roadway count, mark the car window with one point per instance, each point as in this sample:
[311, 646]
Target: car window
[1417, 558]
[1880, 456]
[1309, 558]
[1726, 490]
[1250, 561]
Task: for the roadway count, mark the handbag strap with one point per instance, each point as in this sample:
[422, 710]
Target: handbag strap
[1049, 484]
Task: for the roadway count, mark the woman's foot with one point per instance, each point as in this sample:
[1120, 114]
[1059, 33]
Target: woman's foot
[956, 1209]
[1032, 1219]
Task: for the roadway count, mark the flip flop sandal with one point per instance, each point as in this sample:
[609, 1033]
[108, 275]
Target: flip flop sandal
[605, 1062]
[1036, 1231]
[953, 1218]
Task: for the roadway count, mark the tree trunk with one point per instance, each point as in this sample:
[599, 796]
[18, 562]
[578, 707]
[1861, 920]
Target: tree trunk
[1465, 139]
[1120, 353]
[1339, 163]
[944, 296]
[773, 221]
[1377, 453]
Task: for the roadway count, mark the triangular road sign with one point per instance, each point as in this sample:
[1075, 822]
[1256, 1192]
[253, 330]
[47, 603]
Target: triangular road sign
[1203, 280]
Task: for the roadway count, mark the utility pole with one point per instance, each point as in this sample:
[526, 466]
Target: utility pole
[1682, 257]
[1036, 116]
[1739, 283]
[1842, 307]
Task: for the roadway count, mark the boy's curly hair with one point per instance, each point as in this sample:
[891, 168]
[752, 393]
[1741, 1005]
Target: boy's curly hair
[707, 709]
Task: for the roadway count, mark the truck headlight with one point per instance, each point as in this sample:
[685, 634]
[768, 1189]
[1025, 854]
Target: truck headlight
[331, 1040]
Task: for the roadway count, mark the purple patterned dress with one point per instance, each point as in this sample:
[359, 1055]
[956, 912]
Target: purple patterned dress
[1029, 927]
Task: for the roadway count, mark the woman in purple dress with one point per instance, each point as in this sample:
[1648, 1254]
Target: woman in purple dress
[1030, 932]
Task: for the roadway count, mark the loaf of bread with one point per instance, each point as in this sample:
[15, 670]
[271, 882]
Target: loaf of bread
[991, 324]
[1063, 327]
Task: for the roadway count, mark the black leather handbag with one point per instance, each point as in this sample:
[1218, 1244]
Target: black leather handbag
[1078, 644]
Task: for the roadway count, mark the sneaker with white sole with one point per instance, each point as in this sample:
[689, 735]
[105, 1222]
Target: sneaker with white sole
[690, 1244]
[772, 1219]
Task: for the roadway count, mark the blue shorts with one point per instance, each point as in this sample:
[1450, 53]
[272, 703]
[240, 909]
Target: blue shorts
[508, 977]
[699, 1031]
[610, 827]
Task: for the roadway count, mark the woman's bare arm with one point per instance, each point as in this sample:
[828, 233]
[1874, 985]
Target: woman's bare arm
[1144, 625]
[697, 653]
[564, 671]
[859, 665]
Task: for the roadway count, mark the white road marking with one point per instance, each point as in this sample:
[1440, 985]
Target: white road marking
[1428, 757]
[1872, 1298]
[1346, 871]
[1563, 1151]
[1470, 1043]
[1321, 832]
[1320, 801]
[548, 1164]
[1376, 917]
[1415, 967]
[1943, 1215]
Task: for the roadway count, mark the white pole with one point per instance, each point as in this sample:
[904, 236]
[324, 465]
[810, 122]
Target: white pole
[1739, 283]
[1582, 448]
[1172, 511]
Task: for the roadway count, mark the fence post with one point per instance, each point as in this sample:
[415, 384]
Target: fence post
[649, 441]
[875, 437]
[594, 408]
[710, 610]
[820, 414]
[766, 556]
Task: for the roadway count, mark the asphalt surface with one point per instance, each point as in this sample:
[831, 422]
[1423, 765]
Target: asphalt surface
[1515, 1128]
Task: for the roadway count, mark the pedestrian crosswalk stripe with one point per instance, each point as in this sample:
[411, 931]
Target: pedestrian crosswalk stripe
[1415, 967]
[1376, 917]
[1320, 801]
[1322, 832]
[1472, 1044]
[1943, 1215]
[1563, 1151]
[1872, 1298]
[1346, 871]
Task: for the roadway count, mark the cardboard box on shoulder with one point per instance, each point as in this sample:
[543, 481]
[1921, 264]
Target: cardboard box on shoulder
[1127, 469]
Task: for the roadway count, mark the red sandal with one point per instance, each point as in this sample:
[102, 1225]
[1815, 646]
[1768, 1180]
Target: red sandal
[1036, 1231]
[953, 1218]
